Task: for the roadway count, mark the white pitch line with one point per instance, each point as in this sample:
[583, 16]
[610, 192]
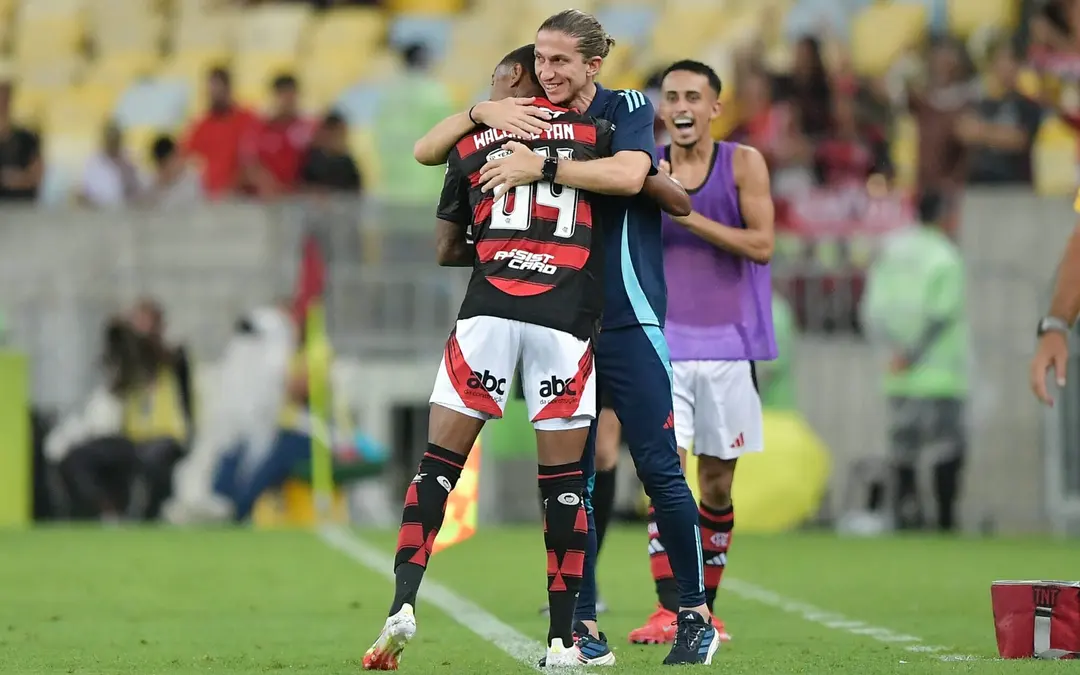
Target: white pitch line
[484, 624]
[836, 621]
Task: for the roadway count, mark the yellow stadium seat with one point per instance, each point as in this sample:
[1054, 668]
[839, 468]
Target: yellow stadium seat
[132, 33]
[56, 74]
[254, 73]
[695, 24]
[965, 16]
[185, 8]
[1053, 159]
[7, 19]
[30, 10]
[194, 64]
[272, 28]
[204, 31]
[352, 28]
[323, 77]
[47, 40]
[882, 32]
[79, 110]
[29, 104]
[425, 6]
[549, 7]
[120, 69]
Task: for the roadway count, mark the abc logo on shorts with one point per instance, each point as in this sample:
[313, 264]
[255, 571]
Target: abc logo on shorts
[487, 382]
[554, 387]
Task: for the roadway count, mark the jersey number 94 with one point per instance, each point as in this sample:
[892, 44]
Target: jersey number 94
[513, 210]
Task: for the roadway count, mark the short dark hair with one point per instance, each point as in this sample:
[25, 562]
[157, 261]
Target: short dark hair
[284, 81]
[524, 56]
[1055, 12]
[163, 148]
[698, 67]
[592, 39]
[416, 55]
[930, 208]
[221, 74]
[333, 119]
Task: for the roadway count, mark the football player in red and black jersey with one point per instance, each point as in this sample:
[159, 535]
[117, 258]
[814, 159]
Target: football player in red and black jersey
[535, 296]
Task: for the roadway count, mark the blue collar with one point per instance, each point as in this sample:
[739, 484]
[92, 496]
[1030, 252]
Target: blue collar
[596, 108]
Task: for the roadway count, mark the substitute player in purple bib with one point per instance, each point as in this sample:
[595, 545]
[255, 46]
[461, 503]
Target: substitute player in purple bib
[631, 353]
[534, 297]
[719, 318]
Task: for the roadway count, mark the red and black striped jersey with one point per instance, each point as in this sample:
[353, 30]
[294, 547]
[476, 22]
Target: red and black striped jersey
[536, 257]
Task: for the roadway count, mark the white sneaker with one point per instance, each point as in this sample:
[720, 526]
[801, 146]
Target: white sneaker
[396, 633]
[560, 656]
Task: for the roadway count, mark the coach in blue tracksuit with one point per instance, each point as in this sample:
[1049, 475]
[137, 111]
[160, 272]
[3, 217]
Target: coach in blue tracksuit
[631, 352]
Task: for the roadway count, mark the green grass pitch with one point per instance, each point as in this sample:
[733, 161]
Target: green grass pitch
[172, 602]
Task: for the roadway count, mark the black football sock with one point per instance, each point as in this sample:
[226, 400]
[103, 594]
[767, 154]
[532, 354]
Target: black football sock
[425, 504]
[566, 529]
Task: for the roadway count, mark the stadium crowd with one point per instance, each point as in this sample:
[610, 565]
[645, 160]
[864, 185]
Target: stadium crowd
[819, 122]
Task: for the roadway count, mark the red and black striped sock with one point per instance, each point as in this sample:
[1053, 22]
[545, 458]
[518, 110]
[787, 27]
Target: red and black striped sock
[667, 589]
[716, 529]
[566, 531]
[425, 504]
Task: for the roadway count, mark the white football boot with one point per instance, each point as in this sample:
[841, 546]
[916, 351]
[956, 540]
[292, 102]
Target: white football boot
[395, 635]
[561, 656]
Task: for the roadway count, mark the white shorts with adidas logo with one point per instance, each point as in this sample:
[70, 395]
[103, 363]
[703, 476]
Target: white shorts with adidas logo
[717, 408]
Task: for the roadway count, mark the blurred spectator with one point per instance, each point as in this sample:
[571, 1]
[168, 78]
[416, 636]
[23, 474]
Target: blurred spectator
[328, 164]
[771, 128]
[116, 456]
[853, 151]
[246, 472]
[1001, 129]
[807, 89]
[914, 307]
[275, 147]
[175, 183]
[21, 168]
[652, 92]
[215, 138]
[938, 104]
[110, 179]
[411, 104]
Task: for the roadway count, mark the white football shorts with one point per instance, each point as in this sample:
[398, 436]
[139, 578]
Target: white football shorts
[717, 408]
[557, 375]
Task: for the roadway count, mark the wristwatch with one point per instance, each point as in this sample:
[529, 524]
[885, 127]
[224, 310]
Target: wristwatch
[551, 167]
[1053, 324]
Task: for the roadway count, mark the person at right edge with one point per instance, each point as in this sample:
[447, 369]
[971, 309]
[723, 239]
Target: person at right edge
[914, 306]
[1052, 353]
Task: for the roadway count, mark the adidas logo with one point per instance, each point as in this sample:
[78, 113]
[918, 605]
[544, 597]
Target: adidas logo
[670, 422]
[739, 442]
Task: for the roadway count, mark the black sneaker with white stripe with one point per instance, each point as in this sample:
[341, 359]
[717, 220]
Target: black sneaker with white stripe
[695, 640]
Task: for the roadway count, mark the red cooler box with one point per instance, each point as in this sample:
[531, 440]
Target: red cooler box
[1039, 619]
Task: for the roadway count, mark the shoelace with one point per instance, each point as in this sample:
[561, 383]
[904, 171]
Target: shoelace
[689, 633]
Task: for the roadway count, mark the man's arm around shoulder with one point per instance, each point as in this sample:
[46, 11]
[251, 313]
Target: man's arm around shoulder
[513, 115]
[622, 174]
